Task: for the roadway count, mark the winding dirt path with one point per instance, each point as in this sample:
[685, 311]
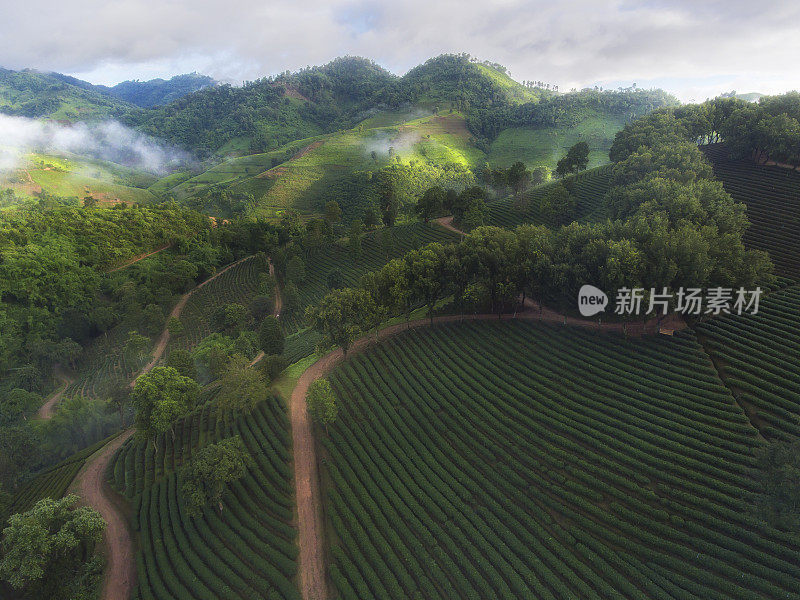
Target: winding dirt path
[93, 488]
[163, 340]
[447, 223]
[138, 257]
[312, 568]
[94, 491]
[276, 310]
[47, 409]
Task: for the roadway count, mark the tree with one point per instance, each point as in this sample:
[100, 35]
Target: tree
[241, 388]
[272, 365]
[261, 306]
[230, 317]
[335, 279]
[519, 178]
[576, 159]
[20, 450]
[431, 203]
[152, 319]
[355, 235]
[371, 219]
[427, 271]
[333, 213]
[475, 215]
[210, 470]
[175, 327]
[136, 344]
[181, 360]
[44, 549]
[321, 402]
[16, 403]
[160, 397]
[539, 175]
[270, 336]
[343, 315]
[558, 206]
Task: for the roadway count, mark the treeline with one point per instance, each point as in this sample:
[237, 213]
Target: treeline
[566, 110]
[275, 110]
[769, 130]
[673, 226]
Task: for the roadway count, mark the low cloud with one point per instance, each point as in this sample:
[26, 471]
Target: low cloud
[107, 140]
[383, 142]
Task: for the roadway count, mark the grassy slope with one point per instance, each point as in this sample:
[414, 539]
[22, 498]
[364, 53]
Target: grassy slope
[320, 161]
[546, 145]
[77, 177]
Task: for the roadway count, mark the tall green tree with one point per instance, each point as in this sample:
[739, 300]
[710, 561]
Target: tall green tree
[241, 389]
[576, 159]
[210, 471]
[160, 397]
[430, 204]
[270, 336]
[321, 402]
[44, 549]
[343, 316]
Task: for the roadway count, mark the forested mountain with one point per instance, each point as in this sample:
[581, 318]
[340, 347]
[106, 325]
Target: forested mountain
[267, 113]
[159, 91]
[47, 95]
[32, 94]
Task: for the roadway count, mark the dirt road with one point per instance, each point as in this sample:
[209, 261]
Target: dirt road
[47, 409]
[163, 340]
[138, 257]
[447, 223]
[93, 489]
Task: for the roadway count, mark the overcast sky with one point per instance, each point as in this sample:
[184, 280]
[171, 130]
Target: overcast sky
[694, 48]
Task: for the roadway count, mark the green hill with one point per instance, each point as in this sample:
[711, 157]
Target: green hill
[42, 95]
[75, 177]
[160, 91]
[772, 197]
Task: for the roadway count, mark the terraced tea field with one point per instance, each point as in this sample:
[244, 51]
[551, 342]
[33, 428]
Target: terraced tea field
[50, 483]
[245, 551]
[519, 460]
[772, 196]
[377, 249]
[759, 357]
[237, 285]
[104, 364]
[589, 189]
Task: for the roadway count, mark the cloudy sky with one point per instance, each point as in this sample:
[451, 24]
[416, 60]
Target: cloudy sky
[694, 48]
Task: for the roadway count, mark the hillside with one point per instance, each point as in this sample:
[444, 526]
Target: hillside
[772, 196]
[345, 357]
[155, 92]
[75, 178]
[554, 475]
[43, 95]
[304, 174]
